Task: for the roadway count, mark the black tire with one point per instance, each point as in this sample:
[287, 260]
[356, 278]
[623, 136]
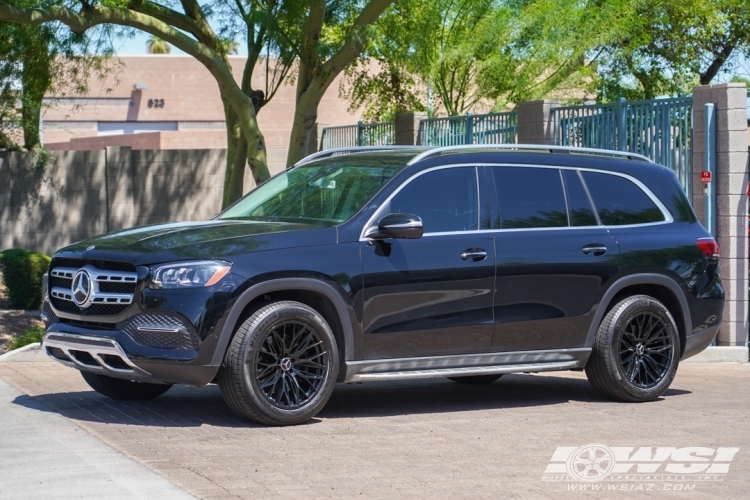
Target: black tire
[636, 351]
[124, 390]
[476, 379]
[281, 366]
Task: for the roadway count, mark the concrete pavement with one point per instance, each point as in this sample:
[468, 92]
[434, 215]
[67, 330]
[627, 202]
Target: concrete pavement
[45, 455]
[426, 439]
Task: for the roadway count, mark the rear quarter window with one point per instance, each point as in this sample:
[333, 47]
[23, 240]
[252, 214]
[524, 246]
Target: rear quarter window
[619, 201]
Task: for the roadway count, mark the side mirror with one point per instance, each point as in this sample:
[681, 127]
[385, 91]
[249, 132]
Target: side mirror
[406, 226]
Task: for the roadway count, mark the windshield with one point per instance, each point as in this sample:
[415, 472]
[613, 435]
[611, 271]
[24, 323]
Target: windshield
[323, 194]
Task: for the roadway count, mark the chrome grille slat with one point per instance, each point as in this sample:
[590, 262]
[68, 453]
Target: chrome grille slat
[111, 289]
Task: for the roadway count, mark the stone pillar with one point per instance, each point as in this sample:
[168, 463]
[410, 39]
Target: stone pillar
[534, 124]
[407, 128]
[730, 182]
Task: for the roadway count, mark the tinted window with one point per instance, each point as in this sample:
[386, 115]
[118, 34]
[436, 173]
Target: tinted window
[579, 205]
[529, 197]
[619, 201]
[446, 200]
[322, 193]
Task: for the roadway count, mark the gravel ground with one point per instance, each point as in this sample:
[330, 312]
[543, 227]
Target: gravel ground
[12, 321]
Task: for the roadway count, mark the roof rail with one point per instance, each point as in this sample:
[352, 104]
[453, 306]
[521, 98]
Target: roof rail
[533, 147]
[354, 149]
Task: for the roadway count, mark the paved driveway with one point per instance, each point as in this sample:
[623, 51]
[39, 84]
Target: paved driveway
[428, 439]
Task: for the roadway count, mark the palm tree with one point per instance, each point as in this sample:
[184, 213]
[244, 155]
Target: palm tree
[156, 45]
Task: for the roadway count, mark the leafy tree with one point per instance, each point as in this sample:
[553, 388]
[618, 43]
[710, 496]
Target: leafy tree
[479, 53]
[156, 45]
[29, 69]
[668, 46]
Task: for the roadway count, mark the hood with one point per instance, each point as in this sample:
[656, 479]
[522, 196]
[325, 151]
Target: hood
[197, 240]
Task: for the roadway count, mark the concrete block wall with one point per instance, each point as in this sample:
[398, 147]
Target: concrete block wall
[80, 194]
[730, 182]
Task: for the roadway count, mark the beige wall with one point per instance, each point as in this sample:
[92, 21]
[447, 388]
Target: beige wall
[80, 194]
[191, 104]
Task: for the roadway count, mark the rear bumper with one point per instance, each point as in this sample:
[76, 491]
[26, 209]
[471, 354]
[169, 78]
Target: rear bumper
[107, 357]
[698, 342]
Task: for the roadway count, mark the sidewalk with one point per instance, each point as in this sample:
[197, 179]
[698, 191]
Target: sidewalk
[409, 439]
[45, 455]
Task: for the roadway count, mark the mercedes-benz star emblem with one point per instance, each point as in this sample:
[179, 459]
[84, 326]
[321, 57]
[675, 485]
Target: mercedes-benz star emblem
[81, 288]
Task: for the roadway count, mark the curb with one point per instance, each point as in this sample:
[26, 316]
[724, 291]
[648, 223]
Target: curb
[720, 354]
[31, 352]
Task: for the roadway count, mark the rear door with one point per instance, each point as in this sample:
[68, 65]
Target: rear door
[553, 256]
[433, 295]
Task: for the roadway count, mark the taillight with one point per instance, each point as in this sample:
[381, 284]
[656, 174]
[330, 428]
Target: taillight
[708, 246]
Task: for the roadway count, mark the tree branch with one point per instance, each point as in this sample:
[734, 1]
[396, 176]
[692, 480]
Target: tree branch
[353, 48]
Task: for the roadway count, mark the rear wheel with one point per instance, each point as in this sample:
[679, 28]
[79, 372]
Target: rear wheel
[636, 351]
[126, 390]
[476, 379]
[281, 366]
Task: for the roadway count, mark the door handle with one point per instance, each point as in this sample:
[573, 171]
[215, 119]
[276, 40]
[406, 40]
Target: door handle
[474, 254]
[595, 249]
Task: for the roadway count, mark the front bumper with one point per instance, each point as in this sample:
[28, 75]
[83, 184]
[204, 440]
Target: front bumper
[106, 356]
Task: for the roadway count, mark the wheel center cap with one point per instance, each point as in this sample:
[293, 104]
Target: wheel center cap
[286, 364]
[639, 349]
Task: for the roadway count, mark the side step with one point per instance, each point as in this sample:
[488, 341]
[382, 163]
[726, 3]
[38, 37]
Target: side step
[460, 372]
[467, 365]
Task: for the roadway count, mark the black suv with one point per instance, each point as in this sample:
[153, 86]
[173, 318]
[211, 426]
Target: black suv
[393, 263]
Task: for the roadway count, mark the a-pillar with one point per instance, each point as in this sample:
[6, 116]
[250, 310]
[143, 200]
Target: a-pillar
[730, 183]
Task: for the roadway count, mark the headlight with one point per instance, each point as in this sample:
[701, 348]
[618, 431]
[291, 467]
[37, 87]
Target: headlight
[190, 274]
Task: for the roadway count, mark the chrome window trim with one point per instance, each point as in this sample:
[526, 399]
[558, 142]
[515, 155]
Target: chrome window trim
[408, 181]
[668, 219]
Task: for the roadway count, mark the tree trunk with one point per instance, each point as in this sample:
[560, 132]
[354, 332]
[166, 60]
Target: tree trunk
[236, 158]
[35, 80]
[305, 116]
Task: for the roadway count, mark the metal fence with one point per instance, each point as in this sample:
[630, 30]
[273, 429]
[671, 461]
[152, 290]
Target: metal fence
[492, 128]
[660, 129]
[361, 134]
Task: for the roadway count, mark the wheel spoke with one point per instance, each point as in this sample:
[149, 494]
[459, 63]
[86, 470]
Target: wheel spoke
[291, 364]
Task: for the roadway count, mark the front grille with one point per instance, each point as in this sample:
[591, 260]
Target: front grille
[108, 265]
[93, 310]
[111, 292]
[162, 331]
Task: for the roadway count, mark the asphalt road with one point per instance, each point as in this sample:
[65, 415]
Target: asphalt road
[426, 439]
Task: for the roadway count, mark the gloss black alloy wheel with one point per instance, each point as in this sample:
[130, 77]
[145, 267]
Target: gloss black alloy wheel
[291, 364]
[281, 365]
[636, 351]
[645, 350]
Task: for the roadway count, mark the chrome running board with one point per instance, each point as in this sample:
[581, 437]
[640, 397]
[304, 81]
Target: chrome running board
[466, 365]
[95, 354]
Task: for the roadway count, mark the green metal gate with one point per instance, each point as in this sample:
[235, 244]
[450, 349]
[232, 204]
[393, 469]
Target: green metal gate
[361, 134]
[660, 129]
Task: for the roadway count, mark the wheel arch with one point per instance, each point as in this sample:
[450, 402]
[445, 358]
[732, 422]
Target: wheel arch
[662, 288]
[315, 293]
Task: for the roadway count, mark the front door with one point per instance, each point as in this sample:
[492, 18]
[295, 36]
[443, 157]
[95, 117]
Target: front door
[433, 295]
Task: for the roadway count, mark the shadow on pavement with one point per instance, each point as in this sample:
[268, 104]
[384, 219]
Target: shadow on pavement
[189, 406]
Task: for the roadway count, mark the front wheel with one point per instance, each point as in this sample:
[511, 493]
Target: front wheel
[125, 390]
[636, 351]
[281, 366]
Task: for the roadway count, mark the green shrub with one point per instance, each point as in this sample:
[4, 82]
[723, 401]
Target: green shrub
[29, 336]
[22, 273]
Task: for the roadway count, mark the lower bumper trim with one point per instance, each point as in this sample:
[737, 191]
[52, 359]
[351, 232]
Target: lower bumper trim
[91, 354]
[698, 342]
